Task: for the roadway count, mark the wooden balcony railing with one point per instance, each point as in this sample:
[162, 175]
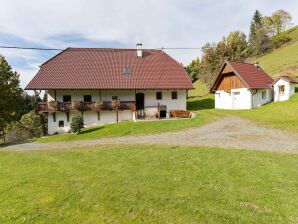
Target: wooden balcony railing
[84, 106]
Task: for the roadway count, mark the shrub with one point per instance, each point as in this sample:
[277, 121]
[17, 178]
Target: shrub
[280, 39]
[31, 122]
[15, 132]
[76, 104]
[77, 123]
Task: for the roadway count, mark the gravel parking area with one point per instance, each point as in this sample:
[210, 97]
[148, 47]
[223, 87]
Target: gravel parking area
[228, 132]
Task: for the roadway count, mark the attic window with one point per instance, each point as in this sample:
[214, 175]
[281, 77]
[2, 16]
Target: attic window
[126, 71]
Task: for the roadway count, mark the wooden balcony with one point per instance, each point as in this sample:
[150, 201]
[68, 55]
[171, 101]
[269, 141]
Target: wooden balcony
[84, 106]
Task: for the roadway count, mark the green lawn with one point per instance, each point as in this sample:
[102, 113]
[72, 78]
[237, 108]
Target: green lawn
[151, 184]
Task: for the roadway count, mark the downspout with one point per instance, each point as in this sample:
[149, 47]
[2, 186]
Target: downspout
[252, 97]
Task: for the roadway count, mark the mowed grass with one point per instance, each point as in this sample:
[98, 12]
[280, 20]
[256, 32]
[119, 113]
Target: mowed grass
[148, 184]
[284, 60]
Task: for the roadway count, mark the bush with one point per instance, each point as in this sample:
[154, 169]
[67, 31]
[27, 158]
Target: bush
[15, 132]
[77, 124]
[31, 122]
[280, 39]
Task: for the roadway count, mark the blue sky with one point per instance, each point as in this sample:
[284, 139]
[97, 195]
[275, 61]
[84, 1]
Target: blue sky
[122, 24]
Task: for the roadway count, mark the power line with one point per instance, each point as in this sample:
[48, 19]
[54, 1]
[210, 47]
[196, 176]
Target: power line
[32, 48]
[58, 49]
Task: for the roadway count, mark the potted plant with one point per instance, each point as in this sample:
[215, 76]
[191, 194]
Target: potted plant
[54, 104]
[77, 105]
[115, 104]
[98, 104]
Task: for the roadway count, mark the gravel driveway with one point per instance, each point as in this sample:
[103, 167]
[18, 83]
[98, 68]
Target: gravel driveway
[227, 132]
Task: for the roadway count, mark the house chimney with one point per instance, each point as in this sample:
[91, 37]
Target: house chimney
[257, 65]
[139, 50]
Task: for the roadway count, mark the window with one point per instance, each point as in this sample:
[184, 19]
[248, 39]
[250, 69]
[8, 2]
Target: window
[282, 90]
[159, 95]
[61, 124]
[264, 95]
[67, 98]
[126, 71]
[87, 98]
[114, 97]
[174, 95]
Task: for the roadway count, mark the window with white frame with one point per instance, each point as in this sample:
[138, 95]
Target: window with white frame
[282, 90]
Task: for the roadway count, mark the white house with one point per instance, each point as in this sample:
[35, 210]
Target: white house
[241, 86]
[109, 85]
[284, 88]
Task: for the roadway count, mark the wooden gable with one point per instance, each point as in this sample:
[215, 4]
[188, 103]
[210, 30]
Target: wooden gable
[228, 80]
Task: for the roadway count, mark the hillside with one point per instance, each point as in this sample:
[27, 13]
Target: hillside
[284, 60]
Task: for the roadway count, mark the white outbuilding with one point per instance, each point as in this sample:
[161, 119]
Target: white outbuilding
[284, 88]
[242, 86]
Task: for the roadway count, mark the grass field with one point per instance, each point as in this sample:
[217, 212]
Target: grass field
[200, 89]
[282, 61]
[152, 184]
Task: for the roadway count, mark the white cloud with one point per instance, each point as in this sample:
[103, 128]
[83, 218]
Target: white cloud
[155, 23]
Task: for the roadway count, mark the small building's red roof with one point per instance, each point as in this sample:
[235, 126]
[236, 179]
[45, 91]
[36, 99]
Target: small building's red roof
[252, 76]
[98, 68]
[286, 78]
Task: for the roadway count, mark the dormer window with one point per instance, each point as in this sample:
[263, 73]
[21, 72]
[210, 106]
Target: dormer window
[126, 71]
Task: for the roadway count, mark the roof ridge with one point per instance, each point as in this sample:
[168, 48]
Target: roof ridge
[107, 48]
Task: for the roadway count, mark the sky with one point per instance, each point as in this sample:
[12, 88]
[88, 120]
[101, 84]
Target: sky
[122, 24]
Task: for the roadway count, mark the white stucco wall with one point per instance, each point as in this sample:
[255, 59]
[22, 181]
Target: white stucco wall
[224, 100]
[289, 90]
[172, 104]
[242, 98]
[91, 118]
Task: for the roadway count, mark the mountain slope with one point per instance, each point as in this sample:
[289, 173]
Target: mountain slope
[284, 60]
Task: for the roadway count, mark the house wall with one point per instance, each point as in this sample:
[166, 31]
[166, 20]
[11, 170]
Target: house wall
[289, 90]
[230, 81]
[171, 104]
[241, 98]
[257, 97]
[91, 118]
[224, 100]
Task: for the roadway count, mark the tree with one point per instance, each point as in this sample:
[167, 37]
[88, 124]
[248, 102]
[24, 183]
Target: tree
[11, 95]
[77, 123]
[236, 46]
[277, 22]
[193, 69]
[27, 104]
[255, 25]
[258, 40]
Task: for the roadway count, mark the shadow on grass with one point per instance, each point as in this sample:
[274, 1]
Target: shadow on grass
[90, 130]
[203, 104]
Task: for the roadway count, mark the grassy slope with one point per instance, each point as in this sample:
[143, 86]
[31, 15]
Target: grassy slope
[152, 184]
[200, 89]
[282, 61]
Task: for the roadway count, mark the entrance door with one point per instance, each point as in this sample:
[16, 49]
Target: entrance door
[235, 100]
[140, 101]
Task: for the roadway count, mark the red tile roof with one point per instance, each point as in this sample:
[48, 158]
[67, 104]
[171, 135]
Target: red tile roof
[97, 68]
[252, 76]
[286, 78]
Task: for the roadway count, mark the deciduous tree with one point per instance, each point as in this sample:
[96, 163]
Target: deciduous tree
[11, 94]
